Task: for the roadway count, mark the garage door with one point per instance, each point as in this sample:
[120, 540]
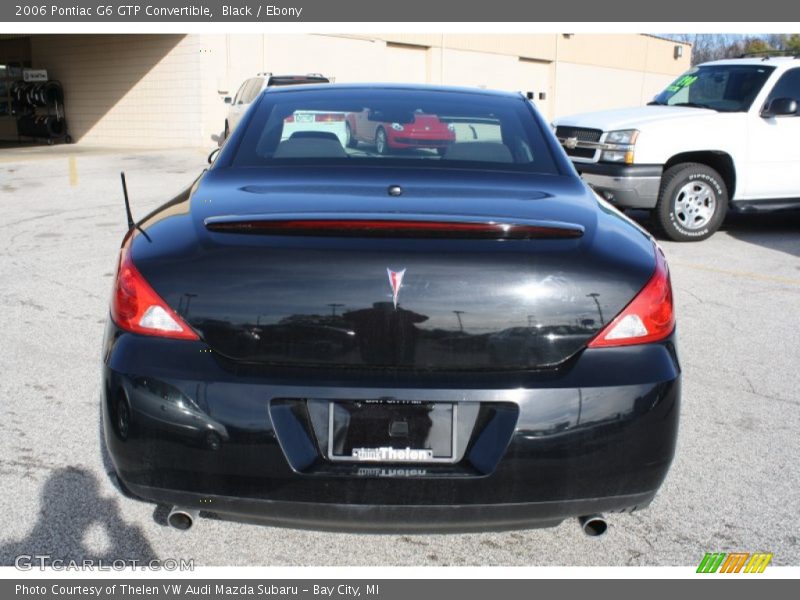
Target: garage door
[534, 76]
[498, 72]
[405, 63]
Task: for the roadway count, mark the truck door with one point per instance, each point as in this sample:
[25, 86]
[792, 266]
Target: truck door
[773, 148]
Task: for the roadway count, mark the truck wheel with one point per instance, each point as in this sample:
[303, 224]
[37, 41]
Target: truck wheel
[692, 202]
[351, 141]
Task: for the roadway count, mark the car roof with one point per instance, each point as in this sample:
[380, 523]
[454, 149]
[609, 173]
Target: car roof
[295, 79]
[414, 87]
[772, 61]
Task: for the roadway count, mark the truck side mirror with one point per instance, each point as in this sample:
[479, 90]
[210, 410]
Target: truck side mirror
[779, 107]
[228, 100]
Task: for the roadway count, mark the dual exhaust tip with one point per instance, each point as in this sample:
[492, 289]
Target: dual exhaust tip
[183, 519]
[593, 525]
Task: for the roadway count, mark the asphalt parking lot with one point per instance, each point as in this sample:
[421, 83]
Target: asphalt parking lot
[733, 486]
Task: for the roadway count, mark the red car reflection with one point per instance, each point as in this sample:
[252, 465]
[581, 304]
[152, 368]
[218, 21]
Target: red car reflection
[426, 131]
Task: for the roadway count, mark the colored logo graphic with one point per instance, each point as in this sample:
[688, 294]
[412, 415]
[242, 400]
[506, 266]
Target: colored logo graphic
[396, 281]
[734, 562]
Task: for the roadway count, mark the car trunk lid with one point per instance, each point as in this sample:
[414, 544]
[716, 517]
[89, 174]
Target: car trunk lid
[476, 276]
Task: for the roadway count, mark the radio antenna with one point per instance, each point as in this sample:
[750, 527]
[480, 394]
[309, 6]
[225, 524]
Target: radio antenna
[131, 223]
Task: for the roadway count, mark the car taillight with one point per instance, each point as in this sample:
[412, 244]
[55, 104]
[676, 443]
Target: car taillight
[136, 307]
[329, 117]
[649, 317]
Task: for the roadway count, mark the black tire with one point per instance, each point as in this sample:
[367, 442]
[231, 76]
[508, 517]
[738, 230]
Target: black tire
[352, 142]
[692, 202]
[381, 148]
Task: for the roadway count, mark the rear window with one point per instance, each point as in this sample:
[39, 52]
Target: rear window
[395, 127]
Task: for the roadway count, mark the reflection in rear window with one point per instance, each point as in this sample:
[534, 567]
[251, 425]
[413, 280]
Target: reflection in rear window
[382, 126]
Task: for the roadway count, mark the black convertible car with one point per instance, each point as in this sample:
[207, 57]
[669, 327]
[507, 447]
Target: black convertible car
[319, 335]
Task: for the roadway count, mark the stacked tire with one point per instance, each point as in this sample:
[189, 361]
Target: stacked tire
[41, 126]
[27, 97]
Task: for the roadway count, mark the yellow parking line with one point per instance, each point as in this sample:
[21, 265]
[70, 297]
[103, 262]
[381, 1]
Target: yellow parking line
[744, 274]
[73, 171]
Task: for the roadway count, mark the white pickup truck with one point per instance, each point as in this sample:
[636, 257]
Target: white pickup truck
[724, 134]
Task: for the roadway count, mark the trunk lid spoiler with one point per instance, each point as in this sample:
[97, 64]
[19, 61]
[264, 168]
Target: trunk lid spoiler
[393, 225]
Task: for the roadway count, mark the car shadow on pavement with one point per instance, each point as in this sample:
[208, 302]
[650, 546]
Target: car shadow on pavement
[71, 510]
[778, 231]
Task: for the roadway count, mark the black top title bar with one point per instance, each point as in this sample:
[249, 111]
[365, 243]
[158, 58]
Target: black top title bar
[474, 11]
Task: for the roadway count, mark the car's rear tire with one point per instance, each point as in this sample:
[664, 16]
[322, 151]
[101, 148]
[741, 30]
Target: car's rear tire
[692, 202]
[381, 142]
[350, 140]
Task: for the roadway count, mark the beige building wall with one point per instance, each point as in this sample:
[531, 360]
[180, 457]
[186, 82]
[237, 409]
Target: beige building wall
[584, 88]
[597, 72]
[168, 90]
[127, 89]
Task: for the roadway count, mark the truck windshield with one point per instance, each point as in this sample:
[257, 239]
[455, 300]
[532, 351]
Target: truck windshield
[724, 88]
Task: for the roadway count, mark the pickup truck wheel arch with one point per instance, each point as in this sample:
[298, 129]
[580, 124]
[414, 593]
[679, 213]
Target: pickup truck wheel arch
[692, 202]
[718, 160]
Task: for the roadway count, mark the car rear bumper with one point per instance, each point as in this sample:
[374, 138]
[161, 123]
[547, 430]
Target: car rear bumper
[629, 186]
[383, 518]
[418, 141]
[596, 436]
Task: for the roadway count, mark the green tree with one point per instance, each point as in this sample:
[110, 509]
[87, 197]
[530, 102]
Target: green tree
[752, 45]
[792, 43]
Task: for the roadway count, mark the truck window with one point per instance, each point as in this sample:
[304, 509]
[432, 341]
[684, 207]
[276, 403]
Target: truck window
[788, 86]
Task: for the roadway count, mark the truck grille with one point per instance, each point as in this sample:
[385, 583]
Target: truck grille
[580, 152]
[581, 133]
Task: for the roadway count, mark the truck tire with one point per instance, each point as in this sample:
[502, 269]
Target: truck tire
[350, 140]
[692, 202]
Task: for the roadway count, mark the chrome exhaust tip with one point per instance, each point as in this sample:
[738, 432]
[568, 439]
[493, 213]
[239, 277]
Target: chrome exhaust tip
[182, 518]
[593, 525]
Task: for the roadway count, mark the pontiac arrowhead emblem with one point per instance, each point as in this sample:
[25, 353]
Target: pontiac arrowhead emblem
[396, 281]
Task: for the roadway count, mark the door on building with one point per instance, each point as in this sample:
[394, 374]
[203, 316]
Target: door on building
[534, 76]
[15, 55]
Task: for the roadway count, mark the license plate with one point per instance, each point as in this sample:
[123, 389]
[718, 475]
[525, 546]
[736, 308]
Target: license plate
[303, 118]
[392, 431]
[389, 454]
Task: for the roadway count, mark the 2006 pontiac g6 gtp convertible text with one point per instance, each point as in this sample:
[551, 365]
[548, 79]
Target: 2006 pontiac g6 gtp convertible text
[334, 335]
